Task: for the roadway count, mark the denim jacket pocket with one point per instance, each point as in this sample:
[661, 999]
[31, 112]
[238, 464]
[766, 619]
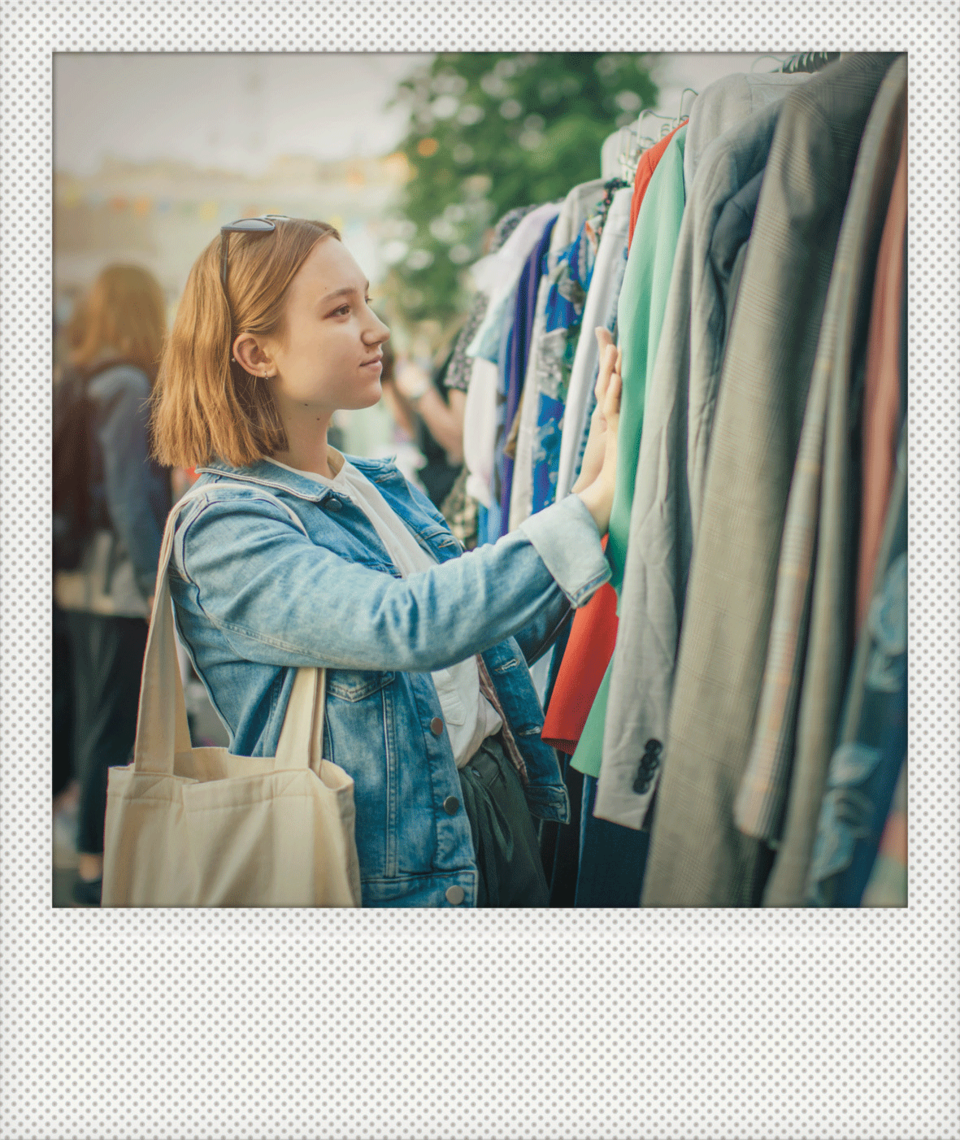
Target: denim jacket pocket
[356, 684]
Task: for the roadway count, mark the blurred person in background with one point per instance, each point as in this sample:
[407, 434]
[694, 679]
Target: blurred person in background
[432, 415]
[107, 536]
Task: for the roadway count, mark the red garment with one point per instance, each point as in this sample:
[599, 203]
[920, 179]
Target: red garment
[585, 660]
[594, 630]
[881, 392]
[645, 168]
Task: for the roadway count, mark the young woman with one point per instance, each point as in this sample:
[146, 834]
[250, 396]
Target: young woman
[296, 555]
[116, 336]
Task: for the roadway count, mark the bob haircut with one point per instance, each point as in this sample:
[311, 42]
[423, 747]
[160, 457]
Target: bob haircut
[205, 405]
[123, 313]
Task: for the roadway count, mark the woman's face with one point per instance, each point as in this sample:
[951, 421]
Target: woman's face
[329, 355]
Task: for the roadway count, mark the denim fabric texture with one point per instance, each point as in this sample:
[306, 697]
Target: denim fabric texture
[272, 571]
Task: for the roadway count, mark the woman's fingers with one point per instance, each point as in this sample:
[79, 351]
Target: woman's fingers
[608, 361]
[611, 397]
[603, 337]
[608, 395]
[606, 346]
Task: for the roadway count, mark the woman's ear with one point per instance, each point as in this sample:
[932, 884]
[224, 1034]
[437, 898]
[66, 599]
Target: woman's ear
[250, 356]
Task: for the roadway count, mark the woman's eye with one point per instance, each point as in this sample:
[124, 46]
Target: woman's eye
[343, 309]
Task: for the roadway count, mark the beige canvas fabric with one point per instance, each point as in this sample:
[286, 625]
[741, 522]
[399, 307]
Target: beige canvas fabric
[201, 827]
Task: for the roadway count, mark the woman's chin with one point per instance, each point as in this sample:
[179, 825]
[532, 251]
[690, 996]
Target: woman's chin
[374, 397]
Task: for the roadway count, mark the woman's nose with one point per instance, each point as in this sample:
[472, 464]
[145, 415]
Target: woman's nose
[377, 333]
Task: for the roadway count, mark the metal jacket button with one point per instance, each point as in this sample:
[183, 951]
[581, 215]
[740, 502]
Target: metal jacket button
[454, 895]
[333, 504]
[451, 805]
[436, 726]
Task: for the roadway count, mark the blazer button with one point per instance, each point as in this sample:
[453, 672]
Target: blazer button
[332, 503]
[454, 895]
[451, 805]
[436, 726]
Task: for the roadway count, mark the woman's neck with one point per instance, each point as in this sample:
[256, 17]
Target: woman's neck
[309, 451]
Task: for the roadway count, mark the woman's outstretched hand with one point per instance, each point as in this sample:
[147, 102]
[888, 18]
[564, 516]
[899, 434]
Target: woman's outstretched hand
[598, 473]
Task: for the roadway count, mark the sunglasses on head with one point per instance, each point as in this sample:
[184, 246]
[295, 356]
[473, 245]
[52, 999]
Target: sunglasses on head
[264, 224]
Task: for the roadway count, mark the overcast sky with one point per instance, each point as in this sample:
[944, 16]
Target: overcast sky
[241, 111]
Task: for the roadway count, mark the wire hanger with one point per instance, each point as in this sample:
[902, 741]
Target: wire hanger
[630, 151]
[668, 123]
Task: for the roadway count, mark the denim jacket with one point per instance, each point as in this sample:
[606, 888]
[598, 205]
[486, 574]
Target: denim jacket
[272, 571]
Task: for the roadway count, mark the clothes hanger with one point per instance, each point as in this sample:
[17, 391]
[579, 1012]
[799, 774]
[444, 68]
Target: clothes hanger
[632, 142]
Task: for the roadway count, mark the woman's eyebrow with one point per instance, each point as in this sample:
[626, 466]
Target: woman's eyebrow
[345, 291]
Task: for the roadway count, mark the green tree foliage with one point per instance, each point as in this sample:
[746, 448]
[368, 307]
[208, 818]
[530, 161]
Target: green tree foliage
[490, 131]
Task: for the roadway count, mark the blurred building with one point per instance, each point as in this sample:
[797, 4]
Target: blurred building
[160, 214]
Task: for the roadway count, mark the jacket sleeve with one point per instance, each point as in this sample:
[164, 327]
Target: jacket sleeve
[536, 637]
[280, 599]
[136, 492]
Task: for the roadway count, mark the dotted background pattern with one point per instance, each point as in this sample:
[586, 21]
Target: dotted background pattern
[609, 1025]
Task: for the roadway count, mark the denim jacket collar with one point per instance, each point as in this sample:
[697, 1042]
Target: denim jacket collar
[267, 474]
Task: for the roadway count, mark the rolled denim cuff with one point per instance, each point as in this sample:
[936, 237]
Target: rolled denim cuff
[566, 538]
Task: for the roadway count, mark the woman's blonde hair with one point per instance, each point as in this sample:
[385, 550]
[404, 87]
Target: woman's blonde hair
[123, 313]
[204, 404]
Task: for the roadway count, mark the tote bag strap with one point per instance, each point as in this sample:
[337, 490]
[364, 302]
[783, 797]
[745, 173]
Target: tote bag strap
[162, 728]
[301, 738]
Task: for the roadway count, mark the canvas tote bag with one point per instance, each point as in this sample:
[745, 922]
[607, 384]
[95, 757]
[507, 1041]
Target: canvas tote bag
[200, 827]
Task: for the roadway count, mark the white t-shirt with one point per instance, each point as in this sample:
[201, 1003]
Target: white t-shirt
[468, 715]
